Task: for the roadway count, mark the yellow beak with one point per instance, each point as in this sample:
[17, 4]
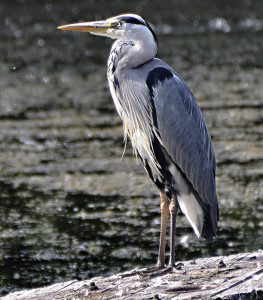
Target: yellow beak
[96, 27]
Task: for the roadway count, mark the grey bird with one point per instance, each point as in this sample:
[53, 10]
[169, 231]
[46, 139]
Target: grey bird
[165, 125]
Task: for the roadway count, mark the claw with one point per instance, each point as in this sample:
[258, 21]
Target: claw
[144, 272]
[152, 270]
[131, 273]
[159, 271]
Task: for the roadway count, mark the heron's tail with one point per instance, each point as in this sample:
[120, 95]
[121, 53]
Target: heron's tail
[211, 222]
[203, 218]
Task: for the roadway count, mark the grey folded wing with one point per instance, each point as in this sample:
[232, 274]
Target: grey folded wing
[184, 135]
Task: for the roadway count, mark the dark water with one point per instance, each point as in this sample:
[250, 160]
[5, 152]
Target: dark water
[70, 207]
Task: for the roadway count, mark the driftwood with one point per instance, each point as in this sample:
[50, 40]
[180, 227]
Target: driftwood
[225, 277]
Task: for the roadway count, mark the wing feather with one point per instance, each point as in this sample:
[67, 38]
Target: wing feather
[161, 105]
[185, 137]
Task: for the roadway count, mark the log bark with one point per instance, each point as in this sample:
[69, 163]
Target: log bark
[225, 277]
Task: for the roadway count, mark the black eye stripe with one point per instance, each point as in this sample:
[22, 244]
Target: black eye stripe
[132, 20]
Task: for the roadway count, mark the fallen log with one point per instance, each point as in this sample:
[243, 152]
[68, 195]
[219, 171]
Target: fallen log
[224, 277]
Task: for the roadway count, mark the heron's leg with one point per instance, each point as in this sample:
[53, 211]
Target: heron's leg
[159, 268]
[173, 212]
[164, 218]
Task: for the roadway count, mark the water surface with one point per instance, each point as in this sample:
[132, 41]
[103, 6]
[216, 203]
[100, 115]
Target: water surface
[70, 206]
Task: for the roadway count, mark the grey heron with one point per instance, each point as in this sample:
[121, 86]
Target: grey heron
[165, 125]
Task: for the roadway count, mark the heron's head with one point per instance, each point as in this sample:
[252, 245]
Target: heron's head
[124, 27]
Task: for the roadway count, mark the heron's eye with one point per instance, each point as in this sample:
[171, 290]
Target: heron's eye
[119, 24]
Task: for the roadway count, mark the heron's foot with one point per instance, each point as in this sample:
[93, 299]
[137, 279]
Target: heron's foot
[132, 273]
[159, 271]
[146, 271]
[153, 269]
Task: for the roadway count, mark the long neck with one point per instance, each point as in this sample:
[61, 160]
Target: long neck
[132, 53]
